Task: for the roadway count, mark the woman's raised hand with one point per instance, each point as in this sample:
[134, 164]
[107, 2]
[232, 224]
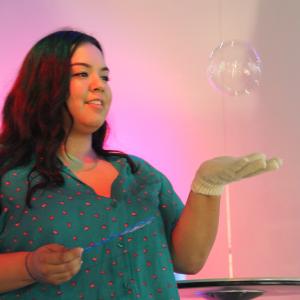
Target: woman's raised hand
[214, 174]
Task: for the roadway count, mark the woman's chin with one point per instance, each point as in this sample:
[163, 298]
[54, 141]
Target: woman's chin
[88, 128]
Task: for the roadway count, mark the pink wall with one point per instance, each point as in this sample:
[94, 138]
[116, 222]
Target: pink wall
[165, 111]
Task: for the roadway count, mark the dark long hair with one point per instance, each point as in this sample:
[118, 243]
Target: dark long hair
[33, 112]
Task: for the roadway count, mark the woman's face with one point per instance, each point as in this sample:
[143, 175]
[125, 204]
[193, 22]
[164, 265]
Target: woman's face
[90, 94]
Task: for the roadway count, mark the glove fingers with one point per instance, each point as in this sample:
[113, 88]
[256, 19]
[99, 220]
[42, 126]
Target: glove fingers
[243, 161]
[274, 163]
[260, 166]
[256, 155]
[239, 164]
[252, 168]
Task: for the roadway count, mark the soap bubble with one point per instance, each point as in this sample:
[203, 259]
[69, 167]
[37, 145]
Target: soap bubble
[234, 68]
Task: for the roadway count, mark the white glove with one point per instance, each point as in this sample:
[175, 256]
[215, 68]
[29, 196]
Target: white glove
[214, 174]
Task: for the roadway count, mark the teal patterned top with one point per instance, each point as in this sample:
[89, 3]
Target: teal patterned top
[126, 236]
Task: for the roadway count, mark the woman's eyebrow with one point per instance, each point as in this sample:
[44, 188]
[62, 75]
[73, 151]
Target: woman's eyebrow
[105, 68]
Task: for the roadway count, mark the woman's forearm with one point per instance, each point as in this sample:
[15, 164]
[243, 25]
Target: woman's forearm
[13, 273]
[195, 233]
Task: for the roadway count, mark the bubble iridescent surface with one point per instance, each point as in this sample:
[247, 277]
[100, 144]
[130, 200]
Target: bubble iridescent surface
[234, 68]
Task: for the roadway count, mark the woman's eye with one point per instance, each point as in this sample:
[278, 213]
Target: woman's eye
[80, 74]
[105, 78]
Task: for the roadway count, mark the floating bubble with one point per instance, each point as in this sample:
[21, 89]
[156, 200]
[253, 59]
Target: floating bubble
[234, 68]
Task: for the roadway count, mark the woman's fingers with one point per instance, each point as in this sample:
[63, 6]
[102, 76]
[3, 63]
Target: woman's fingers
[65, 272]
[60, 257]
[61, 268]
[54, 263]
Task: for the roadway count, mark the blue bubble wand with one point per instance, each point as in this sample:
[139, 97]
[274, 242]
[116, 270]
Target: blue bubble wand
[135, 227]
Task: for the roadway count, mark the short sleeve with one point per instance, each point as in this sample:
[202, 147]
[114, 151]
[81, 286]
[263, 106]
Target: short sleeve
[170, 205]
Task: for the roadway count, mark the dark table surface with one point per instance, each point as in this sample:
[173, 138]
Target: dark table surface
[239, 288]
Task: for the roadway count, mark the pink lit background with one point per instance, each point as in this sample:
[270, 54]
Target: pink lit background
[165, 111]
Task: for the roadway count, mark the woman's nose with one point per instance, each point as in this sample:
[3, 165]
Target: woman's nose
[97, 84]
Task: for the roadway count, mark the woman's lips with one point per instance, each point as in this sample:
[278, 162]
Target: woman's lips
[97, 103]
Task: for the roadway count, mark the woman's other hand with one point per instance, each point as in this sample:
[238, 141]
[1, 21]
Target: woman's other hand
[53, 263]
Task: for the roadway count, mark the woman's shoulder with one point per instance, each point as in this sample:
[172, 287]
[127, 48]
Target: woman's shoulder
[125, 161]
[141, 162]
[23, 169]
[138, 160]
[144, 166]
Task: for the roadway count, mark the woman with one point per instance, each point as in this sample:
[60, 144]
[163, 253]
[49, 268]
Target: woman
[81, 222]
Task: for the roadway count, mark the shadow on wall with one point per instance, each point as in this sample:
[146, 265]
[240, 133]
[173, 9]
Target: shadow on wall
[277, 40]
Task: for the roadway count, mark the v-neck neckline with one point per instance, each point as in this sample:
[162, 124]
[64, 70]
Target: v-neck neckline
[112, 160]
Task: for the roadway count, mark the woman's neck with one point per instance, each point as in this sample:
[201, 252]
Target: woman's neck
[79, 146]
[77, 153]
